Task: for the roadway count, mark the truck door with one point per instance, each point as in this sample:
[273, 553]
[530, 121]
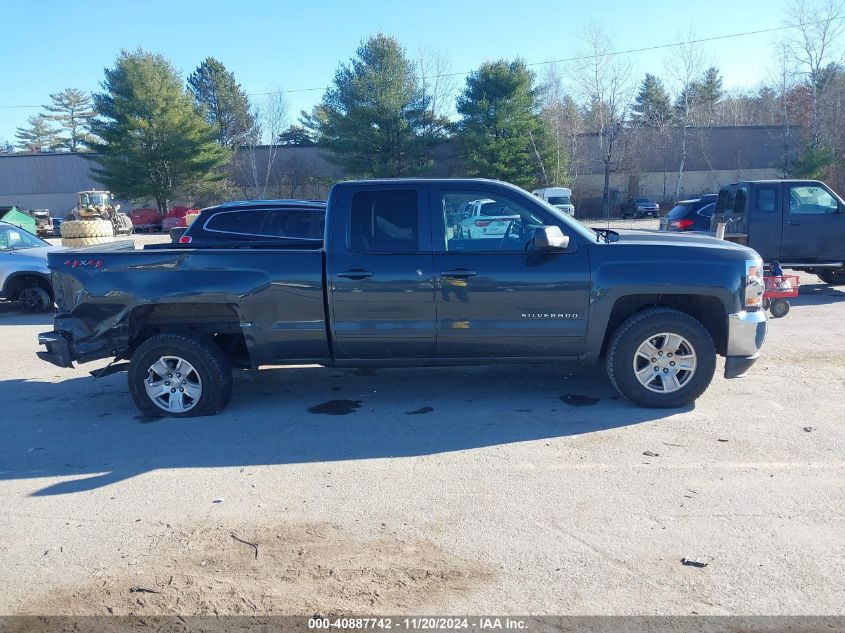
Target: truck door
[814, 227]
[765, 220]
[380, 273]
[496, 299]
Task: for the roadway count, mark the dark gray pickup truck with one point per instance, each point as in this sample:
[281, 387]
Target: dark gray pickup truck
[800, 223]
[398, 282]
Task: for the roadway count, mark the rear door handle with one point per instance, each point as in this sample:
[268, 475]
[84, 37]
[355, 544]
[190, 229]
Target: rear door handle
[793, 222]
[459, 273]
[356, 273]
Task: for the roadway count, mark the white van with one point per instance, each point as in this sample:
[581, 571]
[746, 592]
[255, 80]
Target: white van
[558, 197]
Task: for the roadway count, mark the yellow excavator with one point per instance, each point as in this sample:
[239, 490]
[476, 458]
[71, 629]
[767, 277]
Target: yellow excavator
[94, 220]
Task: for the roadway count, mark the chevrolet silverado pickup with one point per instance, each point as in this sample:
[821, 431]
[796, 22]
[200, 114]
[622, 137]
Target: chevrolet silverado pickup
[398, 281]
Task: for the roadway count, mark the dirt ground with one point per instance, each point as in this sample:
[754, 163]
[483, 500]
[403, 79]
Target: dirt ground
[529, 490]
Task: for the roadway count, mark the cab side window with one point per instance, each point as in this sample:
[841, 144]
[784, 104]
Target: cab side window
[385, 222]
[477, 223]
[811, 200]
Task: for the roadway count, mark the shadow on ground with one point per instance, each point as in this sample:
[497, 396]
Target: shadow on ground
[11, 313]
[90, 430]
[818, 294]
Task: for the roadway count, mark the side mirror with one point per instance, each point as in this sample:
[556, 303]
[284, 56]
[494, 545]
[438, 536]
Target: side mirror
[549, 238]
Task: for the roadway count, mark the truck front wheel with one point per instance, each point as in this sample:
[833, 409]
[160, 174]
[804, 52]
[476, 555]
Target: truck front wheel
[179, 375]
[661, 358]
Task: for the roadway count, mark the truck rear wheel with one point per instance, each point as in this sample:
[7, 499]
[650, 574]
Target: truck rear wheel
[661, 358]
[180, 376]
[832, 277]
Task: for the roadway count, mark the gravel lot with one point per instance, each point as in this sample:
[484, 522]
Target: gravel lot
[507, 490]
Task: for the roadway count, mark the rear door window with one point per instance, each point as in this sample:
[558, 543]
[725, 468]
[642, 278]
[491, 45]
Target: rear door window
[235, 222]
[707, 210]
[767, 198]
[289, 223]
[678, 211]
[385, 221]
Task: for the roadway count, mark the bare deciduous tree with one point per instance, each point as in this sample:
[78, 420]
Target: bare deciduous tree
[565, 124]
[684, 65]
[818, 24]
[256, 162]
[439, 85]
[605, 80]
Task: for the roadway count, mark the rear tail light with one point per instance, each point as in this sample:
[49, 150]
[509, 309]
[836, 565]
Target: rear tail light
[482, 223]
[185, 239]
[681, 224]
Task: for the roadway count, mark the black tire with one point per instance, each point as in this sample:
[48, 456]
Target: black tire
[35, 299]
[638, 328]
[779, 308]
[831, 276]
[208, 360]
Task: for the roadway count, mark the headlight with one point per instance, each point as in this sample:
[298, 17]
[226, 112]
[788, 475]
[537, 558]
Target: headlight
[754, 284]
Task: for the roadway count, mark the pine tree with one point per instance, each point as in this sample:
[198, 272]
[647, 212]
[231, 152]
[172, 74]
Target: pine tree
[652, 106]
[226, 105]
[501, 134]
[38, 136]
[374, 119]
[73, 111]
[296, 135]
[155, 141]
[709, 94]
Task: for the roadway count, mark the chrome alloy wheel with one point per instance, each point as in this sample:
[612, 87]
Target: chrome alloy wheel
[173, 384]
[665, 362]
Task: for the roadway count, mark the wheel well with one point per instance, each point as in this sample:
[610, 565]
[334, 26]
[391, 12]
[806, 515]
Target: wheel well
[219, 322]
[709, 310]
[17, 283]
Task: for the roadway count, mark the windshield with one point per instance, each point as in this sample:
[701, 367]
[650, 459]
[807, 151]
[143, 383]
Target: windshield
[643, 200]
[13, 238]
[559, 200]
[582, 229]
[678, 211]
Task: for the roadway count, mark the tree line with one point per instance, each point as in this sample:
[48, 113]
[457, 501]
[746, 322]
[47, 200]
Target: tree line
[385, 114]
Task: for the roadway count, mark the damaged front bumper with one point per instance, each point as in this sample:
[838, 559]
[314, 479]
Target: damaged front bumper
[746, 333]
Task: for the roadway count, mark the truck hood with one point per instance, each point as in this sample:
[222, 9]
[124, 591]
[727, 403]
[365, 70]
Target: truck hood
[665, 238]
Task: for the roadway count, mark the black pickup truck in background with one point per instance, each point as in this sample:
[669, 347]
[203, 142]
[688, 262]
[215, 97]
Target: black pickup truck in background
[396, 282]
[799, 223]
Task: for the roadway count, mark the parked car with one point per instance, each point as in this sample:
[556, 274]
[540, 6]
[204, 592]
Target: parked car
[391, 286]
[257, 220]
[24, 276]
[799, 223]
[690, 215]
[146, 220]
[639, 208]
[558, 197]
[487, 219]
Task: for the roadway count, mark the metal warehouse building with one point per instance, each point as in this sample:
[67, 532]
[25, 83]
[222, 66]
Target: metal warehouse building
[647, 165]
[44, 181]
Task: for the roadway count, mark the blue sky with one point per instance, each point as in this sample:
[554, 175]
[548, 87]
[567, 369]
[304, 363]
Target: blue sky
[297, 44]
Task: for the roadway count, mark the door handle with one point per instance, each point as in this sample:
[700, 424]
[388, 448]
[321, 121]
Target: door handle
[459, 273]
[793, 222]
[355, 273]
